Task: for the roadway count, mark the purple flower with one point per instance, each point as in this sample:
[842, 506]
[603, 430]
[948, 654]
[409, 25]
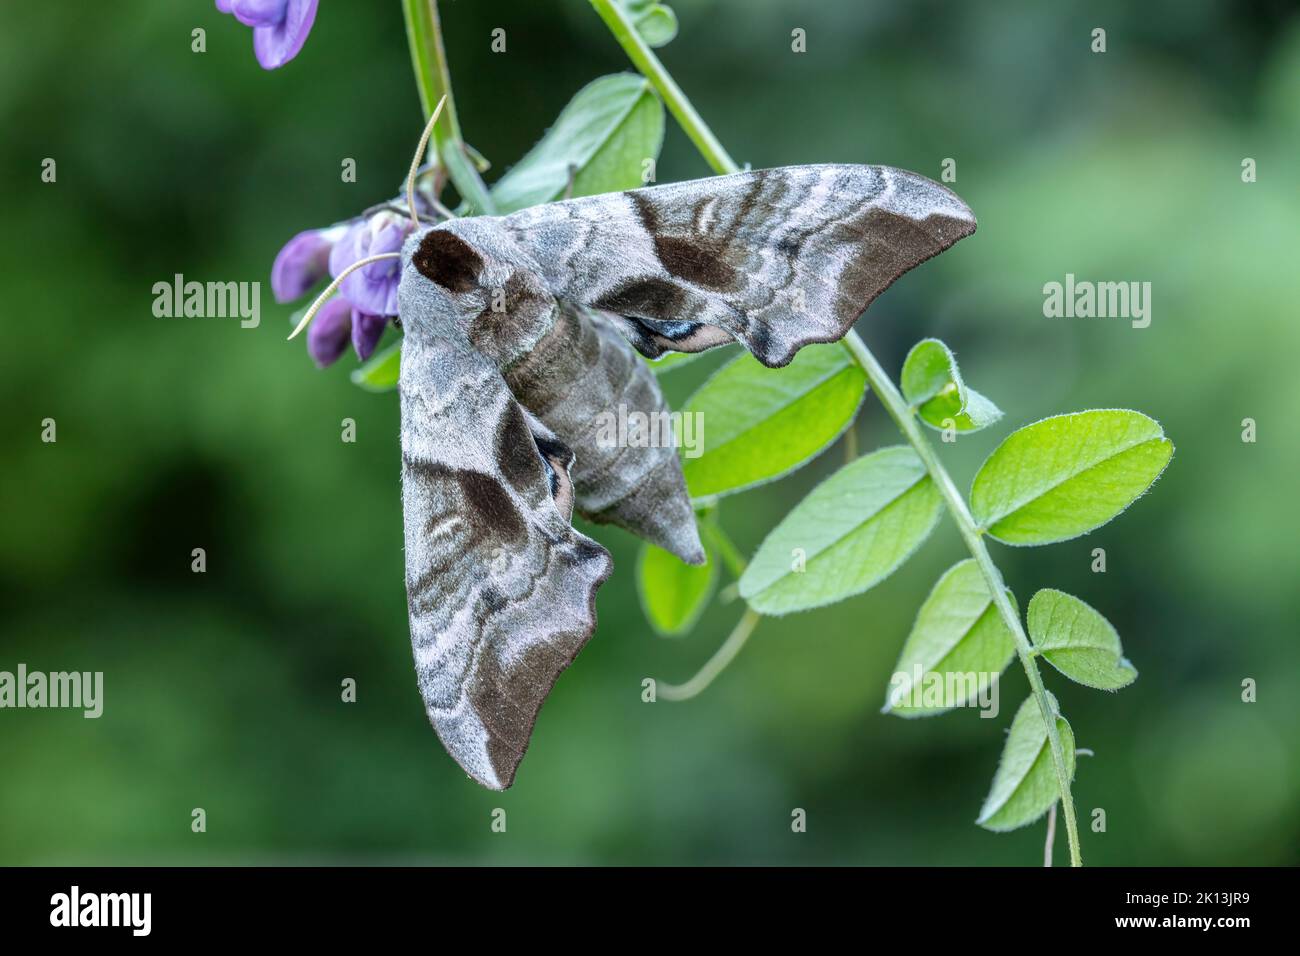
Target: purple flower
[373, 288]
[367, 330]
[303, 262]
[280, 27]
[327, 336]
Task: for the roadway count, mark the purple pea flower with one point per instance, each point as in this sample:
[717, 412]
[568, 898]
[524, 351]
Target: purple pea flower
[303, 262]
[367, 330]
[327, 336]
[280, 27]
[371, 289]
[366, 299]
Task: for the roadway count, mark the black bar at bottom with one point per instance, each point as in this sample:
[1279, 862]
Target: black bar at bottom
[335, 905]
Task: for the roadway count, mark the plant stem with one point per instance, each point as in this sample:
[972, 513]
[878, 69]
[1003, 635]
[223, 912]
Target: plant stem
[1050, 843]
[722, 543]
[433, 79]
[905, 418]
[883, 386]
[645, 60]
[717, 663]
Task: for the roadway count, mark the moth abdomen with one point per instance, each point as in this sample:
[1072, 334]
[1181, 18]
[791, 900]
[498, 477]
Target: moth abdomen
[582, 380]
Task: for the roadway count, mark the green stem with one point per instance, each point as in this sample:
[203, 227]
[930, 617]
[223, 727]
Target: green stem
[883, 386]
[905, 418]
[717, 663]
[721, 542]
[645, 60]
[433, 79]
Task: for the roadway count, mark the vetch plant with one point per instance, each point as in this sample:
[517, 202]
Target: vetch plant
[1048, 482]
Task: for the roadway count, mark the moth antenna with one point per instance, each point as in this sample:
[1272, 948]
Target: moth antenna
[333, 286]
[415, 161]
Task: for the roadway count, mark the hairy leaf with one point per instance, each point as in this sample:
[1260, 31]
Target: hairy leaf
[933, 385]
[602, 139]
[1063, 476]
[1078, 641]
[673, 593]
[849, 533]
[656, 22]
[1025, 784]
[761, 423]
[958, 638]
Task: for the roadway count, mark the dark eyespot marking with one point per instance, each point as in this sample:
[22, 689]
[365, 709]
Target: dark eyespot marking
[448, 260]
[694, 262]
[649, 297]
[490, 509]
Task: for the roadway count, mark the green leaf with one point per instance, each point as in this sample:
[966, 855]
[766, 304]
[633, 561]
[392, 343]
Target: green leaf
[673, 593]
[761, 423]
[850, 532]
[959, 641]
[379, 373]
[656, 22]
[605, 135]
[670, 361]
[933, 385]
[1063, 476]
[1025, 785]
[1078, 641]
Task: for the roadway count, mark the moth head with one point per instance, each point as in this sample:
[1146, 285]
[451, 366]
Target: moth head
[470, 277]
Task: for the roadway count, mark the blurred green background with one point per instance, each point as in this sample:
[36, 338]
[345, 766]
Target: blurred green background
[222, 689]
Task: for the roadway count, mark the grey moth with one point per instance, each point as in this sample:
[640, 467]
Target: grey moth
[521, 330]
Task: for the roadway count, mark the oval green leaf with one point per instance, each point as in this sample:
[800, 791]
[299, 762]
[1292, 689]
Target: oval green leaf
[932, 384]
[656, 22]
[956, 650]
[1078, 641]
[850, 532]
[1025, 785]
[1063, 476]
[604, 135]
[760, 423]
[379, 373]
[673, 593]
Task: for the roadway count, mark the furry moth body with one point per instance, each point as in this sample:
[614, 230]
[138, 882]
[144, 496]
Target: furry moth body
[520, 330]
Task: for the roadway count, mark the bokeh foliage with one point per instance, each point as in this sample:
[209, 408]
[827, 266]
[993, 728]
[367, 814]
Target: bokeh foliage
[222, 689]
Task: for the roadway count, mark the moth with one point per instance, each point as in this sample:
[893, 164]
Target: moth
[521, 330]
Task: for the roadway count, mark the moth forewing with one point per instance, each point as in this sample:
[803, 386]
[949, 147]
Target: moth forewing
[506, 371]
[500, 587]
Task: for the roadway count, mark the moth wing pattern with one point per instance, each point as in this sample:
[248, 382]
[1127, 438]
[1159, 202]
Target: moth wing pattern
[500, 587]
[775, 258]
[517, 337]
[583, 379]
